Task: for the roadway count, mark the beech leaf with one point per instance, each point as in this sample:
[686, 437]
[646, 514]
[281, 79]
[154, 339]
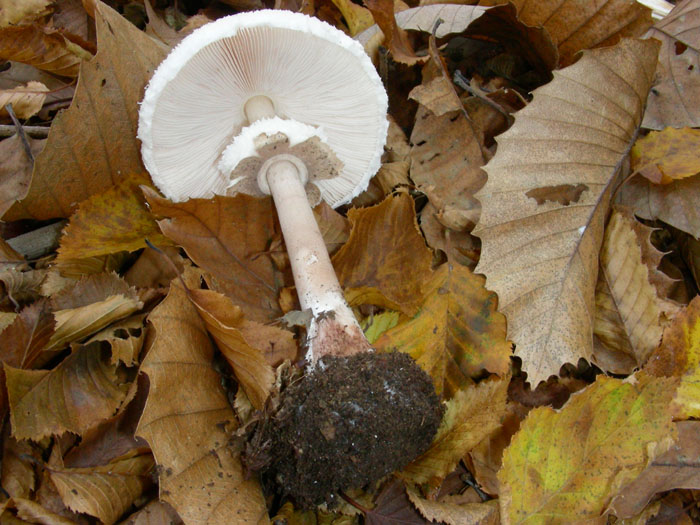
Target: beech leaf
[187, 421]
[93, 145]
[16, 169]
[667, 155]
[26, 100]
[540, 254]
[452, 513]
[571, 463]
[456, 334]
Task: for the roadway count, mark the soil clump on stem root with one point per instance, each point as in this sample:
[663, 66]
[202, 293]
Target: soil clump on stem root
[350, 421]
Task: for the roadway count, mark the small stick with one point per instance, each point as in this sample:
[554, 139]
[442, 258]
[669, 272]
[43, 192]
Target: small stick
[20, 131]
[464, 83]
[40, 132]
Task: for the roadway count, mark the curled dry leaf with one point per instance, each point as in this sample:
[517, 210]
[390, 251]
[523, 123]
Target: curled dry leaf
[106, 491]
[43, 47]
[456, 334]
[111, 221]
[385, 261]
[93, 146]
[228, 237]
[575, 25]
[676, 468]
[26, 100]
[186, 421]
[452, 513]
[679, 356]
[50, 402]
[572, 462]
[540, 241]
[14, 13]
[674, 101]
[628, 316]
[471, 415]
[395, 38]
[125, 339]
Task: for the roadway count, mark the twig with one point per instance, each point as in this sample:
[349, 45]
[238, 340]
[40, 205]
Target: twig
[464, 83]
[39, 242]
[40, 132]
[20, 131]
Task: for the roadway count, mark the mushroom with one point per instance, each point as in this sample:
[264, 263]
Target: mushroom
[282, 104]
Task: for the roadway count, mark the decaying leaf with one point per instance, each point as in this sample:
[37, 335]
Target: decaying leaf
[385, 261]
[541, 259]
[187, 420]
[679, 356]
[472, 414]
[93, 145]
[453, 514]
[571, 463]
[125, 339]
[575, 25]
[225, 322]
[628, 316]
[111, 221]
[393, 506]
[456, 334]
[51, 402]
[679, 467]
[667, 155]
[228, 237]
[26, 100]
[674, 101]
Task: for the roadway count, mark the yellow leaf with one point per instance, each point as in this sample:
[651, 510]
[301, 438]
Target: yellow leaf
[456, 334]
[546, 200]
[112, 221]
[26, 100]
[679, 356]
[357, 17]
[186, 417]
[376, 325]
[565, 466]
[471, 415]
[385, 261]
[667, 155]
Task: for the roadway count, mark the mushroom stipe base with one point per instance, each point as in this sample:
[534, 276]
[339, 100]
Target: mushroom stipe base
[350, 421]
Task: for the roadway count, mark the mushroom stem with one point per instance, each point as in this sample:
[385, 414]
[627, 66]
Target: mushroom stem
[258, 107]
[334, 329]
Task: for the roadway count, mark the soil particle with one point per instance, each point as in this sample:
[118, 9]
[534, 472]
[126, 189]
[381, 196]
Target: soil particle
[350, 421]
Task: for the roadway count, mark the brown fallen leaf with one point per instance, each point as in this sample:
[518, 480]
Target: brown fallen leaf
[16, 169]
[385, 261]
[452, 513]
[629, 317]
[187, 417]
[393, 506]
[15, 12]
[111, 221]
[471, 415]
[155, 513]
[456, 334]
[125, 339]
[575, 25]
[33, 512]
[674, 100]
[26, 100]
[93, 146]
[679, 467]
[51, 402]
[18, 458]
[225, 321]
[106, 491]
[228, 237]
[395, 38]
[667, 155]
[459, 247]
[542, 259]
[334, 228]
[43, 47]
[573, 461]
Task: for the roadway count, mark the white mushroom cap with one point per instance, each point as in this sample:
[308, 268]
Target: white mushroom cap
[313, 73]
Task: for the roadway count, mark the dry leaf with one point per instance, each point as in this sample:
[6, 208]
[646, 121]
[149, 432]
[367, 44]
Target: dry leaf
[18, 458]
[43, 47]
[674, 100]
[224, 321]
[385, 261]
[437, 95]
[572, 462]
[393, 506]
[453, 514]
[395, 38]
[111, 221]
[125, 339]
[456, 334]
[26, 100]
[357, 18]
[107, 491]
[471, 415]
[155, 513]
[677, 468]
[334, 228]
[581, 24]
[93, 145]
[628, 315]
[679, 356]
[538, 254]
[667, 155]
[13, 12]
[459, 247]
[228, 237]
[16, 169]
[33, 512]
[186, 418]
[71, 397]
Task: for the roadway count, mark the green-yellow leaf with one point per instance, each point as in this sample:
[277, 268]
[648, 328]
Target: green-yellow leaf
[667, 155]
[565, 466]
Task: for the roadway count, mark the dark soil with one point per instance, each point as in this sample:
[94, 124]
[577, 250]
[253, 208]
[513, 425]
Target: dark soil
[349, 422]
